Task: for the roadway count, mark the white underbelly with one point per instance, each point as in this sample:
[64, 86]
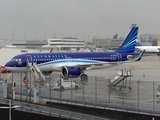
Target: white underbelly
[93, 67]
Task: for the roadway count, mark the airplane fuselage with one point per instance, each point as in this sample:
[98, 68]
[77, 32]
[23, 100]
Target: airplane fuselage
[148, 49]
[55, 61]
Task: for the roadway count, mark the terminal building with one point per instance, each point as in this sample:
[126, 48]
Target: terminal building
[108, 43]
[100, 42]
[65, 44]
[115, 43]
[34, 44]
[149, 39]
[59, 44]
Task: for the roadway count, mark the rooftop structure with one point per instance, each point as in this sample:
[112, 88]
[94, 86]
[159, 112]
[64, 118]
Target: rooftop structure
[149, 39]
[100, 43]
[115, 43]
[66, 43]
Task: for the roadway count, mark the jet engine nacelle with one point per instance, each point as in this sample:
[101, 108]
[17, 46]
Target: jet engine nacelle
[71, 71]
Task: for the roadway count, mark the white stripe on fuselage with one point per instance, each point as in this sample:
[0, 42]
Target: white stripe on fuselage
[48, 66]
[16, 68]
[58, 64]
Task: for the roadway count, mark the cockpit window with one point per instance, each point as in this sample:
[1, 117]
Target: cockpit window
[13, 59]
[16, 59]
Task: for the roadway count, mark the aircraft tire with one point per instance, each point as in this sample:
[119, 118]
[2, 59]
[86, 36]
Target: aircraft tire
[76, 87]
[61, 88]
[84, 76]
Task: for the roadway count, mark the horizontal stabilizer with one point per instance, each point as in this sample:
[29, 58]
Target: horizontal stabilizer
[138, 43]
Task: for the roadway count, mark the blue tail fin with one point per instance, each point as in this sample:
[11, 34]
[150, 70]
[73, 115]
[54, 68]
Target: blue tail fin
[128, 44]
[138, 43]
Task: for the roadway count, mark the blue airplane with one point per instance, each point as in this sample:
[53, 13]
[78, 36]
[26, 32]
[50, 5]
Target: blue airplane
[75, 64]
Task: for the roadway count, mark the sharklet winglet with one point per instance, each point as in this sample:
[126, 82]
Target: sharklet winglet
[140, 56]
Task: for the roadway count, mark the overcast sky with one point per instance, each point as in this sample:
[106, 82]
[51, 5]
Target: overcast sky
[77, 18]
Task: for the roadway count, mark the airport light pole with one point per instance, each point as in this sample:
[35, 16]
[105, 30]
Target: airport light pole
[26, 72]
[26, 58]
[16, 106]
[27, 75]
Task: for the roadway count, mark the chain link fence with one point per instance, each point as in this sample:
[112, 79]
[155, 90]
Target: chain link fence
[128, 95]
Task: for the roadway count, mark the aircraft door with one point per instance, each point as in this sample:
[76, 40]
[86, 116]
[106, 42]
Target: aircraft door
[119, 57]
[29, 58]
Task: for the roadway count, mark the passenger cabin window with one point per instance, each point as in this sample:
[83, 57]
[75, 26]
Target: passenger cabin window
[45, 56]
[49, 56]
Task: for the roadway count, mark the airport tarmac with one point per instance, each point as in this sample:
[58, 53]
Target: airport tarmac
[142, 96]
[149, 65]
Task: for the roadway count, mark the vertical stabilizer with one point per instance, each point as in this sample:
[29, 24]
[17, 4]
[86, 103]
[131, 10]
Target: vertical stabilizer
[128, 44]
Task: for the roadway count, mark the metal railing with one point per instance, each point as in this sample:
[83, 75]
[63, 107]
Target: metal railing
[27, 107]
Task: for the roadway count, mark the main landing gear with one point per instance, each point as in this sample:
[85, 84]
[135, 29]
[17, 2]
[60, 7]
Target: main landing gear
[84, 77]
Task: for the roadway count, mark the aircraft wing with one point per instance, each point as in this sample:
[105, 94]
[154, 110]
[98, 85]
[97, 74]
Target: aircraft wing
[90, 64]
[84, 63]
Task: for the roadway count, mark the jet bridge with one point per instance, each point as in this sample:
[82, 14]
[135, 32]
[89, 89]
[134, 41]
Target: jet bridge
[120, 76]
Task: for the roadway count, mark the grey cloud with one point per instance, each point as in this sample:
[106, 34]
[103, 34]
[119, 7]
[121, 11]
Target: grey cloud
[77, 17]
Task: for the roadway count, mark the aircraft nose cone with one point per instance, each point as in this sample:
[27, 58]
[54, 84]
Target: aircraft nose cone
[8, 64]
